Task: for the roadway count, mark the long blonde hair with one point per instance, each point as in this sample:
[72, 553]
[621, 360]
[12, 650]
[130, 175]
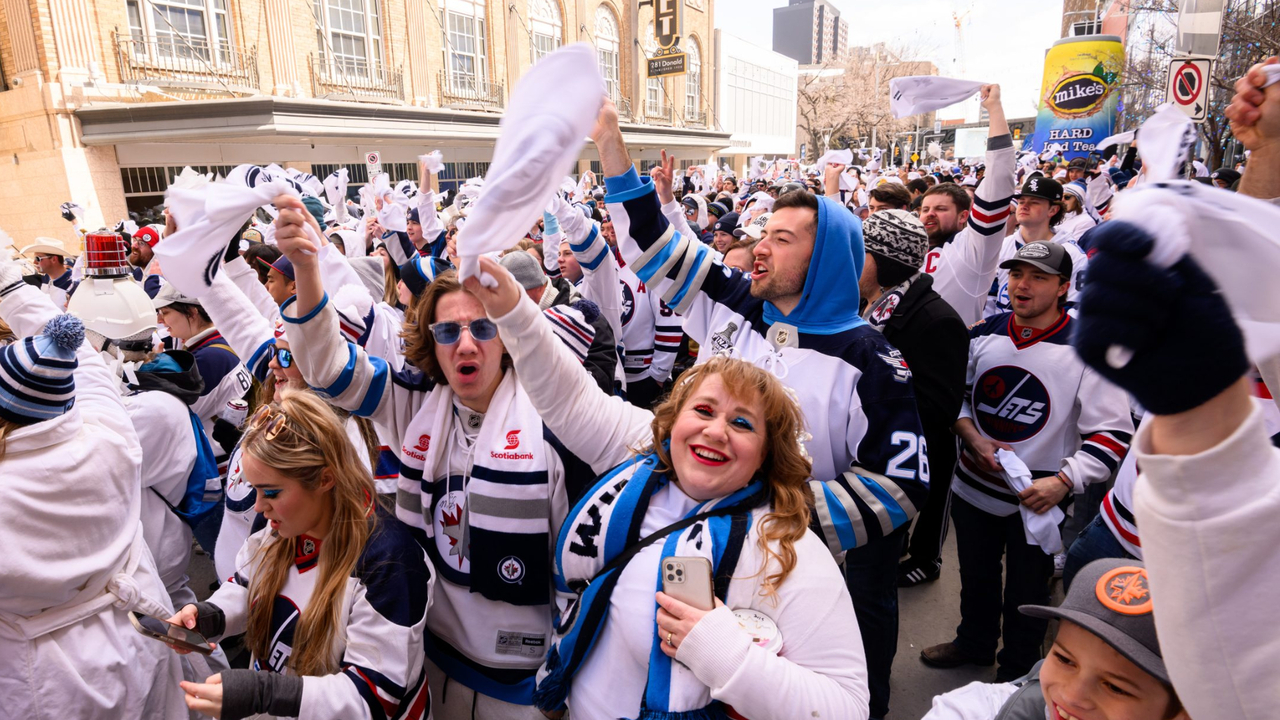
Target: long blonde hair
[313, 443]
[784, 470]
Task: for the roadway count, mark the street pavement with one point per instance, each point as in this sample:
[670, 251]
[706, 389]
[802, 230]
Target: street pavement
[928, 615]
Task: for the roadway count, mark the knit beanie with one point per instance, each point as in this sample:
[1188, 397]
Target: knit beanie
[315, 207]
[897, 235]
[419, 272]
[527, 271]
[37, 380]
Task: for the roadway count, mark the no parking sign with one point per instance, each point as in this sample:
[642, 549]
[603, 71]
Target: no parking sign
[1189, 86]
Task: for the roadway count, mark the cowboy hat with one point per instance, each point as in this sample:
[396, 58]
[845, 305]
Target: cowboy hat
[48, 246]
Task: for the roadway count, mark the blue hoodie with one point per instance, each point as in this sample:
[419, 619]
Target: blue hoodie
[854, 388]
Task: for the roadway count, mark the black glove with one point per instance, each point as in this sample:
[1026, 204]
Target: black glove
[67, 213]
[1186, 346]
[226, 435]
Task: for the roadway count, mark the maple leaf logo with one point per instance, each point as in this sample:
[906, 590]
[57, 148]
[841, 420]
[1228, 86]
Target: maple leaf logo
[1127, 590]
[454, 531]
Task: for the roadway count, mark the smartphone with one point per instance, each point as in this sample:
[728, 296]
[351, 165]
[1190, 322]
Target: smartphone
[689, 580]
[167, 632]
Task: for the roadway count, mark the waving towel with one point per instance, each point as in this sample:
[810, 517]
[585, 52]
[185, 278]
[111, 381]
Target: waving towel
[551, 113]
[917, 94]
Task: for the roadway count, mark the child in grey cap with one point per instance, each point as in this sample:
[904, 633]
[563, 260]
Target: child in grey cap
[1105, 663]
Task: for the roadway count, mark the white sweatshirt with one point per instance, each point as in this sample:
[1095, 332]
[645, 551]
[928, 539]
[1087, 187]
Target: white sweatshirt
[1209, 537]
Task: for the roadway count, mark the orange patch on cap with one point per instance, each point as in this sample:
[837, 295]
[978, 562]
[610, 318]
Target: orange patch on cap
[1125, 590]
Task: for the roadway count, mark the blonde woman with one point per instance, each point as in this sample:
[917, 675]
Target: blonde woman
[330, 591]
[720, 475]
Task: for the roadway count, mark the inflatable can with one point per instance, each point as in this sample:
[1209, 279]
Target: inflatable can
[1079, 94]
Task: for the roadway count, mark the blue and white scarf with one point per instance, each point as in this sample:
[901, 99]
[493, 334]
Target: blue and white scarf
[602, 526]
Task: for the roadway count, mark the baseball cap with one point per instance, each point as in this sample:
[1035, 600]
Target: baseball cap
[726, 223]
[754, 229]
[716, 209]
[1078, 164]
[149, 234]
[1111, 598]
[282, 265]
[1042, 187]
[169, 295]
[1047, 256]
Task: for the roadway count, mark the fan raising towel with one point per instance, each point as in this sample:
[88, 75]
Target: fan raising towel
[551, 113]
[917, 94]
[1232, 236]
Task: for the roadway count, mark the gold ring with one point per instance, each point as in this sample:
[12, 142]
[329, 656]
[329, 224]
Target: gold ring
[669, 636]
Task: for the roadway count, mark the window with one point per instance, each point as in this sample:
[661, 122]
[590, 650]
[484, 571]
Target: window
[607, 48]
[545, 27]
[1092, 27]
[349, 33]
[653, 104]
[465, 46]
[195, 29]
[693, 81]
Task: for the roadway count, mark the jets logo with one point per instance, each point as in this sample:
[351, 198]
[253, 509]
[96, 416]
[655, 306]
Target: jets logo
[513, 440]
[510, 569]
[1010, 404]
[628, 304]
[284, 622]
[899, 365]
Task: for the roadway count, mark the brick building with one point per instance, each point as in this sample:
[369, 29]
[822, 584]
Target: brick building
[104, 101]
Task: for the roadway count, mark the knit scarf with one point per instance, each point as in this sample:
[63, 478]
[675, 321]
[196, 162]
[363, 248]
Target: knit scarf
[602, 526]
[504, 538]
[881, 311]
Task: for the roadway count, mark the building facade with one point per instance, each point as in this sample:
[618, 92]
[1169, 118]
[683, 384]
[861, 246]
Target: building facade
[811, 32]
[103, 102]
[756, 95]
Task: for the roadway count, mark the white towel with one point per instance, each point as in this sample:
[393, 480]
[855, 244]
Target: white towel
[207, 218]
[1231, 235]
[1041, 529]
[552, 110]
[434, 161]
[917, 94]
[840, 157]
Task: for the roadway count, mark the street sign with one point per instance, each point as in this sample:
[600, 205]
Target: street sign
[1189, 86]
[668, 59]
[374, 161]
[1199, 27]
[937, 126]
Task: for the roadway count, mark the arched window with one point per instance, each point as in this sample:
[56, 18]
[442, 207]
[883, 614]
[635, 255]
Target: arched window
[653, 100]
[608, 42]
[693, 82]
[545, 27]
[465, 46]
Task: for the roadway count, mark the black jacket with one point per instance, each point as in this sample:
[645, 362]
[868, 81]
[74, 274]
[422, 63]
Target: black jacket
[602, 356]
[935, 343]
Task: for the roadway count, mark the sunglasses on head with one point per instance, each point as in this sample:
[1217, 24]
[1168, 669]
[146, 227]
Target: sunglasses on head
[449, 332]
[282, 356]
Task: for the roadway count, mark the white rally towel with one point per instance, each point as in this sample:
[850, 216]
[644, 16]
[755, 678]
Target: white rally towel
[433, 161]
[915, 94]
[1041, 529]
[1231, 235]
[840, 157]
[207, 218]
[552, 110]
[1117, 139]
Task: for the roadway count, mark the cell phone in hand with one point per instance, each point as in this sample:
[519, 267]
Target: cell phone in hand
[689, 580]
[169, 633]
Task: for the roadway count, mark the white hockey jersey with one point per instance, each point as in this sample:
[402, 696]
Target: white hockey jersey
[382, 619]
[964, 267]
[1031, 390]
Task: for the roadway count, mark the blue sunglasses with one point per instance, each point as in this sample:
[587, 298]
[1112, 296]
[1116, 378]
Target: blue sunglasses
[448, 333]
[282, 356]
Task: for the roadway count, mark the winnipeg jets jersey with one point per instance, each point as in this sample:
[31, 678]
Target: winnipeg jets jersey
[382, 617]
[1031, 390]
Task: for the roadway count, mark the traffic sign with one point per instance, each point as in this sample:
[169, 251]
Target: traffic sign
[1199, 27]
[374, 161]
[1189, 86]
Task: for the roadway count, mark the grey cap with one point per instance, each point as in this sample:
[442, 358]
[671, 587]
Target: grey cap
[1043, 255]
[527, 271]
[169, 295]
[1111, 598]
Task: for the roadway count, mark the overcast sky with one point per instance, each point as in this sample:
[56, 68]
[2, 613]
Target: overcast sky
[1004, 40]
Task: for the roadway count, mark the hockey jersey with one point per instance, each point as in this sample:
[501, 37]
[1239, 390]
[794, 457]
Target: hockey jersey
[998, 301]
[1031, 390]
[854, 388]
[381, 622]
[964, 266]
[225, 379]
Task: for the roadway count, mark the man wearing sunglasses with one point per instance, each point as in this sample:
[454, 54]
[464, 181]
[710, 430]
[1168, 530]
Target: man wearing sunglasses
[50, 257]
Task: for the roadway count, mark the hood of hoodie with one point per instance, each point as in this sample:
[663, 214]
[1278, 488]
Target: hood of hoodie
[829, 303]
[173, 372]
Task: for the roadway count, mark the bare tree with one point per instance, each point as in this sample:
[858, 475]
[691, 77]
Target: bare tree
[845, 103]
[1250, 32]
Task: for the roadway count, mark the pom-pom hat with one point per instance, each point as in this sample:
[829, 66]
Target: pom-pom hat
[37, 380]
